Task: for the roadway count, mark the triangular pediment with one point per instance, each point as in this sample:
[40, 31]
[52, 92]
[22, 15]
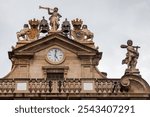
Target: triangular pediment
[55, 39]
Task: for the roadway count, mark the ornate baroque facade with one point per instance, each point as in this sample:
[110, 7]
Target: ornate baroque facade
[62, 64]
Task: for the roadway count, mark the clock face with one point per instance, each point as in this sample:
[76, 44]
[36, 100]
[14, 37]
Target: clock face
[55, 56]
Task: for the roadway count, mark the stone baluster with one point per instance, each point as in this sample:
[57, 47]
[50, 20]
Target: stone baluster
[54, 86]
[109, 87]
[66, 86]
[43, 86]
[4, 87]
[32, 87]
[9, 87]
[72, 86]
[36, 86]
[77, 86]
[69, 90]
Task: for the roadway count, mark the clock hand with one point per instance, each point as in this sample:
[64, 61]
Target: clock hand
[56, 54]
[56, 57]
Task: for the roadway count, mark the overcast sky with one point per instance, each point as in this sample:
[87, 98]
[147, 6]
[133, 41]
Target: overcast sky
[113, 22]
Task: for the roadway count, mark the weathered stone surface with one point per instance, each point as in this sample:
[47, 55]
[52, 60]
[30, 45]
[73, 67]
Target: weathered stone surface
[79, 58]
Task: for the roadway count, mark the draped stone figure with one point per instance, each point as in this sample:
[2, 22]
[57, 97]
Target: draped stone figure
[131, 57]
[54, 17]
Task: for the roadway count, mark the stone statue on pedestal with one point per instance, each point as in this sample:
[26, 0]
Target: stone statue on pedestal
[131, 57]
[54, 17]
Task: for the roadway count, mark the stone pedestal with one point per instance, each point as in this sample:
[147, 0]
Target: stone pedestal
[132, 72]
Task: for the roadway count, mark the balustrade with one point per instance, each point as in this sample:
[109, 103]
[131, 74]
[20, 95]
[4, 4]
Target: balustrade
[74, 86]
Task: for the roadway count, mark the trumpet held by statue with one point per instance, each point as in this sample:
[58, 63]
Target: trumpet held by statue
[47, 8]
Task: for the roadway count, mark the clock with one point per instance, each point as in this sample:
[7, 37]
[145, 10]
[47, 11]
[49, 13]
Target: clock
[55, 56]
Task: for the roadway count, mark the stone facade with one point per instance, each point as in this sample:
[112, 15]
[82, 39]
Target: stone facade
[30, 61]
[63, 65]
